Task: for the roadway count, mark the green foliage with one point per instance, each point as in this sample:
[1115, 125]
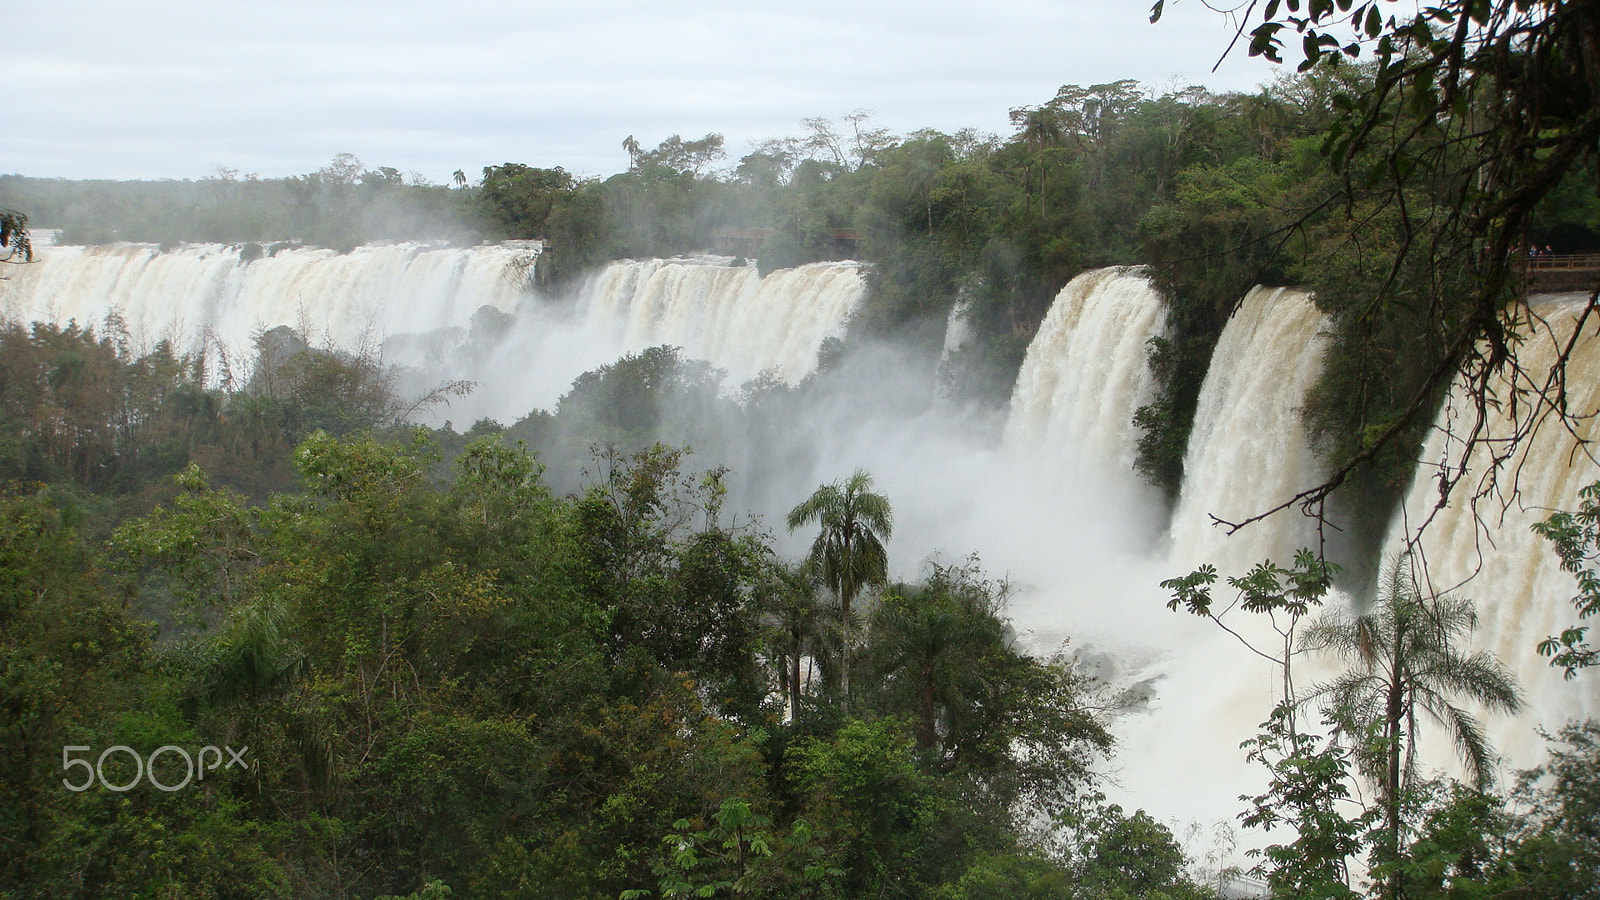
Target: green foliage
[1011, 876]
[1118, 855]
[853, 522]
[734, 848]
[737, 854]
[1284, 596]
[1218, 235]
[630, 402]
[666, 203]
[1309, 791]
[934, 647]
[79, 406]
[877, 805]
[203, 538]
[1538, 842]
[847, 554]
[573, 237]
[1023, 730]
[1569, 219]
[1402, 659]
[516, 201]
[1557, 852]
[67, 650]
[688, 598]
[1165, 422]
[323, 389]
[1575, 536]
[1458, 839]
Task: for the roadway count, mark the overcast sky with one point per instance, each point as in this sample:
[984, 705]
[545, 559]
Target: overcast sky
[177, 89]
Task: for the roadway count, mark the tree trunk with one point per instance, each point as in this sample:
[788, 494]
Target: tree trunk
[794, 676]
[846, 594]
[845, 654]
[927, 725]
[1395, 713]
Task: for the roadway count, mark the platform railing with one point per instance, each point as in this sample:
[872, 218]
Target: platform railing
[1560, 272]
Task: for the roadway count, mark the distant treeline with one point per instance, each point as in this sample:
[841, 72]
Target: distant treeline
[341, 205]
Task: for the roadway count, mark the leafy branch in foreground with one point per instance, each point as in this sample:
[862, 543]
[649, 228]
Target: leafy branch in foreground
[1284, 596]
[1576, 536]
[1308, 789]
[1310, 775]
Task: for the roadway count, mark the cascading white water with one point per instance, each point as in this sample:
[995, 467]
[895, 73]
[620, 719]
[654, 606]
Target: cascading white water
[1080, 538]
[1084, 375]
[1248, 451]
[1489, 551]
[203, 292]
[207, 294]
[958, 328]
[727, 314]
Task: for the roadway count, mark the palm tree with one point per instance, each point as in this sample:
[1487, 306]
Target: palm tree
[848, 552]
[800, 628]
[1042, 129]
[935, 650]
[1403, 656]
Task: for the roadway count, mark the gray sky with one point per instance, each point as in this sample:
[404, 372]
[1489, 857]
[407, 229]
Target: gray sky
[113, 89]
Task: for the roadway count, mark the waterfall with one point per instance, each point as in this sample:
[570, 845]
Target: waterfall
[201, 292]
[958, 328]
[1488, 551]
[729, 315]
[1248, 451]
[1084, 375]
[417, 299]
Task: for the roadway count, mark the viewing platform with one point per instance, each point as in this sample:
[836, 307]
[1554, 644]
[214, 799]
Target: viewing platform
[1561, 274]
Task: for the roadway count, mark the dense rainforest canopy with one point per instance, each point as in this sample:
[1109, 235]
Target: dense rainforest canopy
[448, 676]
